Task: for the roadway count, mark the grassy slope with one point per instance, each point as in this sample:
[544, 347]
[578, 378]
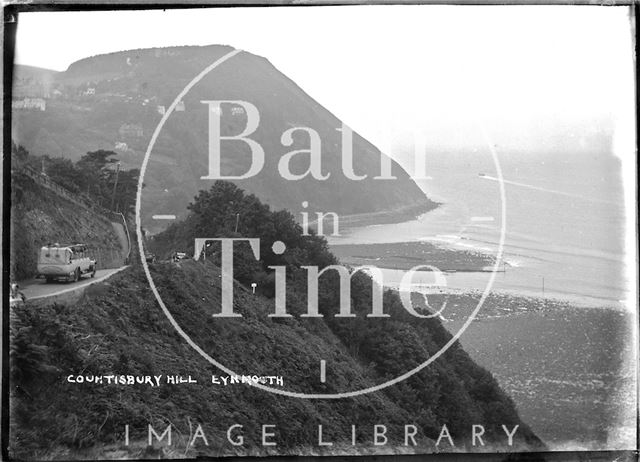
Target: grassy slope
[118, 328]
[38, 217]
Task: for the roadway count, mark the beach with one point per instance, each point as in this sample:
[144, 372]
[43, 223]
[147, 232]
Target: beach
[557, 328]
[565, 367]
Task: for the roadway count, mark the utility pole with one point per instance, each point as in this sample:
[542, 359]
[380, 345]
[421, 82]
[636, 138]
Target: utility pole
[115, 185]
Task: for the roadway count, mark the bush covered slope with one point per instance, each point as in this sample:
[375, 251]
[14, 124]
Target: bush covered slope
[118, 328]
[39, 216]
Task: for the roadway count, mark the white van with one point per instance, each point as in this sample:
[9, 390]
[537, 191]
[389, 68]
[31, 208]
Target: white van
[69, 262]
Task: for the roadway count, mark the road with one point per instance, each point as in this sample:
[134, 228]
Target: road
[37, 288]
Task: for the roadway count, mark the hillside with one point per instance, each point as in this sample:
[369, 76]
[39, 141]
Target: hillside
[96, 97]
[118, 328]
[39, 216]
[31, 81]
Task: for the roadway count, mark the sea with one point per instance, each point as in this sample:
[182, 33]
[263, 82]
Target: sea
[570, 372]
[564, 224]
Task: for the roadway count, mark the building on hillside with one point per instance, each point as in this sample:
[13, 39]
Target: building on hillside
[120, 146]
[29, 103]
[130, 131]
[161, 110]
[180, 106]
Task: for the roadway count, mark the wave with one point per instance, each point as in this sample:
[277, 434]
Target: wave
[547, 248]
[548, 190]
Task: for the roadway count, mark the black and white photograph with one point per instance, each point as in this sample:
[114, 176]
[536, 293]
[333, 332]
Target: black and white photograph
[406, 231]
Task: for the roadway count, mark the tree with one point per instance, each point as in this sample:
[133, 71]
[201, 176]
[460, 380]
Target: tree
[92, 175]
[126, 189]
[65, 173]
[96, 170]
[19, 153]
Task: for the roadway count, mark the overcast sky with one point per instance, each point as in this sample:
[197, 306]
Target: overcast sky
[523, 71]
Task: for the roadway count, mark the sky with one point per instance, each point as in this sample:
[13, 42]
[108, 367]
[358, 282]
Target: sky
[524, 73]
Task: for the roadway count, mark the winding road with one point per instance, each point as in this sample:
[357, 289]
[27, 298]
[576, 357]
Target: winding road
[35, 289]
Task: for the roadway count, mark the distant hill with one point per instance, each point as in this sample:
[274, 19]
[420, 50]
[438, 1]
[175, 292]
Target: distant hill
[34, 73]
[31, 81]
[115, 101]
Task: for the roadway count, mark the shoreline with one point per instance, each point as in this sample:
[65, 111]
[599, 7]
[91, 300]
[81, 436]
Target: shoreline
[456, 305]
[551, 351]
[464, 270]
[386, 217]
[549, 302]
[406, 255]
[565, 367]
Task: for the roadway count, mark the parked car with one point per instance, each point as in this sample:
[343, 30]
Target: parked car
[179, 256]
[68, 262]
[150, 257]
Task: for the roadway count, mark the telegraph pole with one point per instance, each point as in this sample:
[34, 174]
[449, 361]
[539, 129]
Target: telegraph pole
[115, 185]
